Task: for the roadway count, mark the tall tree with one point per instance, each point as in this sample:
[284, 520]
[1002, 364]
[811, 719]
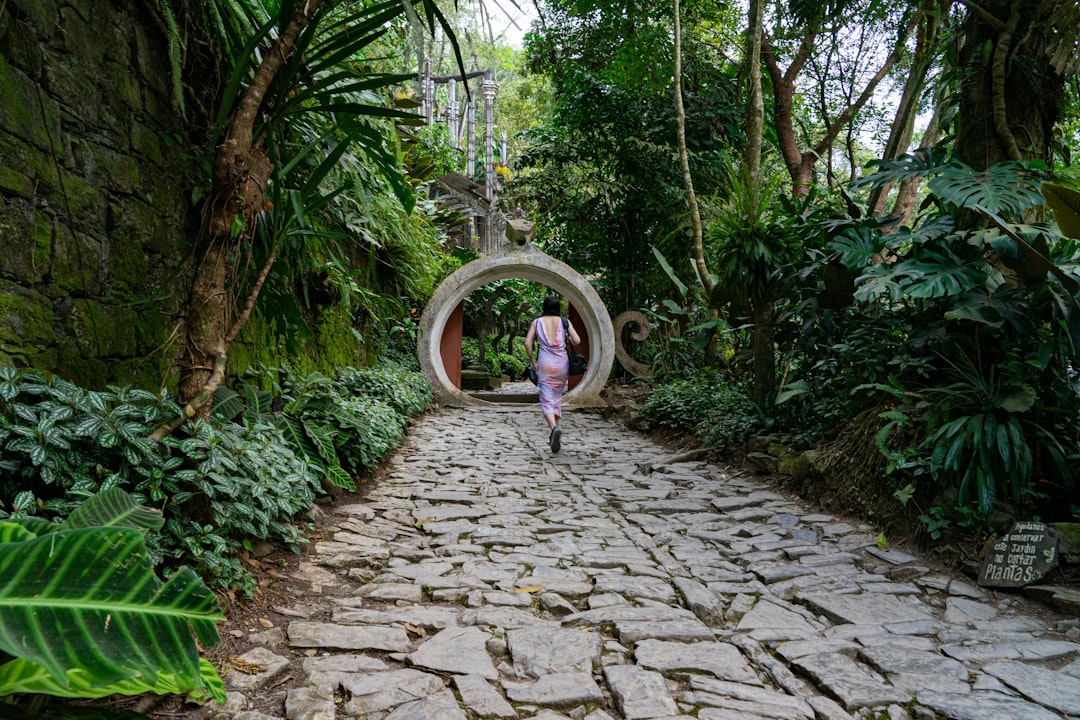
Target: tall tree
[1016, 56]
[684, 161]
[812, 23]
[300, 58]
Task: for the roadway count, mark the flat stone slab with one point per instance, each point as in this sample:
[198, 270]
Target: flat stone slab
[622, 612]
[711, 713]
[916, 670]
[429, 618]
[983, 706]
[960, 611]
[556, 690]
[701, 601]
[894, 557]
[456, 650]
[256, 669]
[637, 587]
[772, 703]
[347, 663]
[440, 706]
[868, 608]
[766, 615]
[853, 684]
[442, 513]
[408, 592]
[722, 660]
[540, 651]
[564, 586]
[310, 703]
[348, 637]
[372, 692]
[481, 698]
[503, 616]
[1054, 690]
[1023, 650]
[630, 632]
[640, 693]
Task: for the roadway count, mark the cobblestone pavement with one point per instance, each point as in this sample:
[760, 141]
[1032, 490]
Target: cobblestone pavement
[486, 577]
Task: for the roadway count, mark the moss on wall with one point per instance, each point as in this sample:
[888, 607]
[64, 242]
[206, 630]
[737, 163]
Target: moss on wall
[93, 220]
[95, 212]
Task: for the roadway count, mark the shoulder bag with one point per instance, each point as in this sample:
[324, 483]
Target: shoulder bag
[578, 365]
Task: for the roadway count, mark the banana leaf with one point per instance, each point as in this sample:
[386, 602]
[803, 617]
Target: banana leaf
[84, 615]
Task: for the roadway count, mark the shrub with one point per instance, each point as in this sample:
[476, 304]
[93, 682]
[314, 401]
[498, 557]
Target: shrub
[249, 479]
[60, 443]
[405, 390]
[219, 485]
[705, 406]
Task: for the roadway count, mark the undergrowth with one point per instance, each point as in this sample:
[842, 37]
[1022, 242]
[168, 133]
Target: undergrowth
[271, 446]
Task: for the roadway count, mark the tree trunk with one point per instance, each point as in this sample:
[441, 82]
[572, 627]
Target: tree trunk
[684, 159]
[1009, 104]
[755, 105]
[237, 195]
[763, 347]
[909, 189]
[903, 123]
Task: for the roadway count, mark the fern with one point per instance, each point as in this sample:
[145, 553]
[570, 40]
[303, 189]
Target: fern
[176, 60]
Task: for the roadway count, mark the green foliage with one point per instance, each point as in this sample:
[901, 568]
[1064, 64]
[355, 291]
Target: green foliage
[496, 360]
[245, 476]
[602, 170]
[339, 427]
[125, 632]
[60, 443]
[252, 482]
[965, 324]
[407, 391]
[707, 406]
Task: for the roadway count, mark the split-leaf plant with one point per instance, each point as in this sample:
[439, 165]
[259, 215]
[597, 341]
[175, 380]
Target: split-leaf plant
[981, 292]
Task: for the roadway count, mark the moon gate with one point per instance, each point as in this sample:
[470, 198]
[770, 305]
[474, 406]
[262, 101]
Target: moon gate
[518, 260]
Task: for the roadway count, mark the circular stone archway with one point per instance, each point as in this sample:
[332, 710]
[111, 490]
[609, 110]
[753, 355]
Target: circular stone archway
[528, 263]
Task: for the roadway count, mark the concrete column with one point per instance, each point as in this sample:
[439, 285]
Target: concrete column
[452, 117]
[427, 94]
[470, 124]
[489, 89]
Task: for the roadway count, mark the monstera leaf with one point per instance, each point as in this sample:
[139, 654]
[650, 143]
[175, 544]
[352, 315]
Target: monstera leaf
[1065, 202]
[84, 615]
[1001, 189]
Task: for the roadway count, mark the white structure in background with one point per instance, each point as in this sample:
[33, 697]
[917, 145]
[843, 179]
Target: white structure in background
[483, 227]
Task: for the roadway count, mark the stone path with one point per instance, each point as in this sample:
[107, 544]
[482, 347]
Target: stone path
[487, 578]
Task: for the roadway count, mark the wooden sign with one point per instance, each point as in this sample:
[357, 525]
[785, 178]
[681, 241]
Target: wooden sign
[1024, 556]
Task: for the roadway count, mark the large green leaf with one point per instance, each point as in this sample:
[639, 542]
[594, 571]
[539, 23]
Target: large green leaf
[1004, 188]
[1065, 202]
[23, 676]
[87, 601]
[919, 164]
[113, 508]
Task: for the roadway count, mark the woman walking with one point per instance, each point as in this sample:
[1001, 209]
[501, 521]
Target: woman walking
[552, 364]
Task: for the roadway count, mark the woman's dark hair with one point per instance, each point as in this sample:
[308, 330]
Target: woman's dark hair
[551, 305]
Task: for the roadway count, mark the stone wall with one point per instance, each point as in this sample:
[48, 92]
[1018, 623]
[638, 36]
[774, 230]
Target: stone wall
[94, 210]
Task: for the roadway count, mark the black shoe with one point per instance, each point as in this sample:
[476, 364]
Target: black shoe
[555, 435]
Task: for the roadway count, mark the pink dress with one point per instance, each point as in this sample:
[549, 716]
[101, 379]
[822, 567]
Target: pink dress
[553, 367]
